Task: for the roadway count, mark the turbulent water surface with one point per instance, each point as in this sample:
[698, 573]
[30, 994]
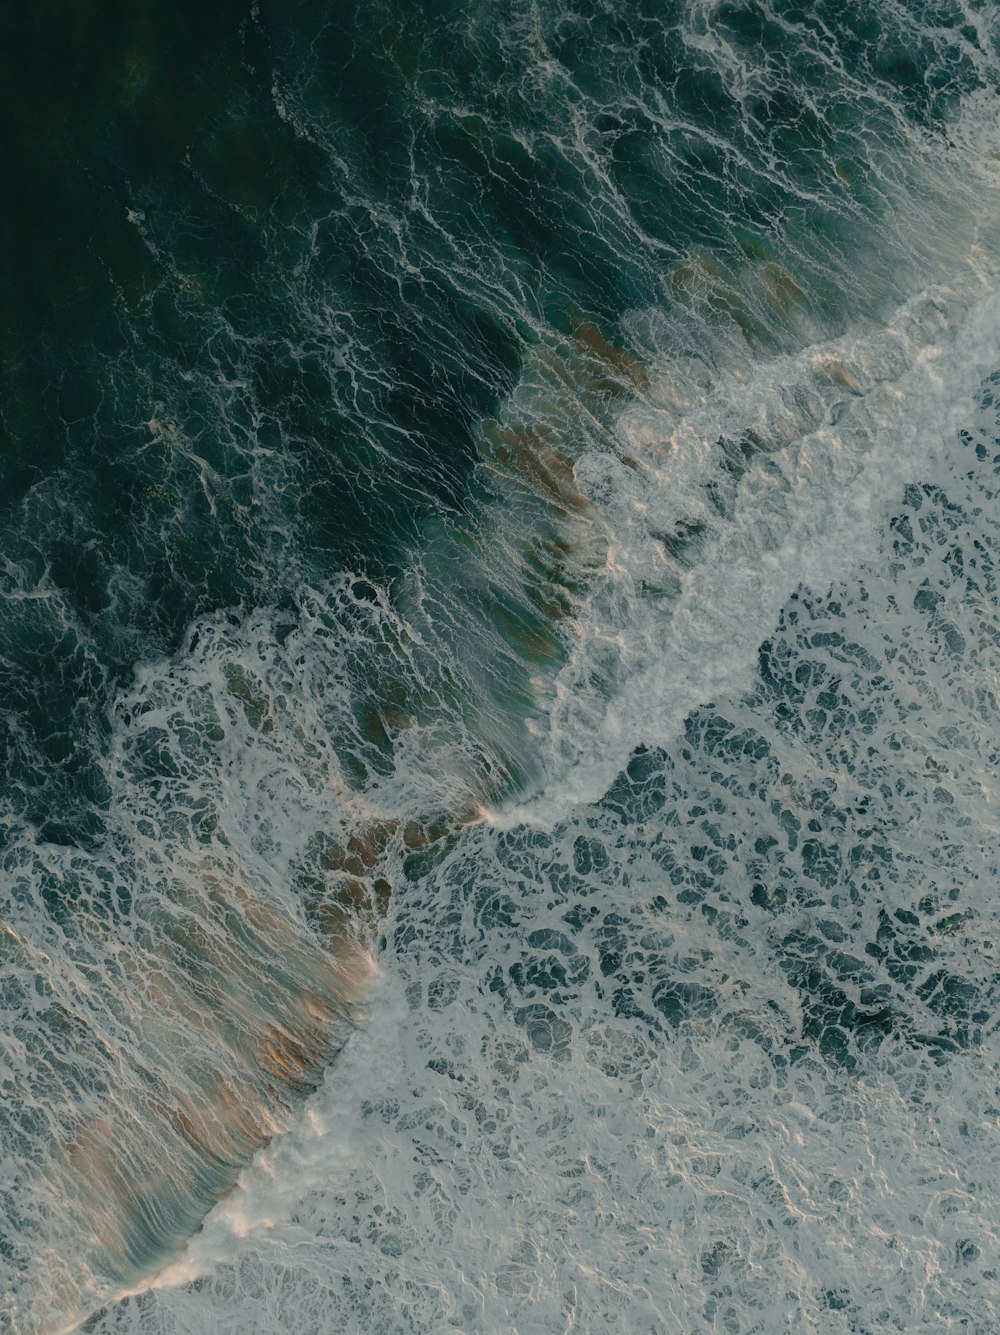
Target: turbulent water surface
[500, 660]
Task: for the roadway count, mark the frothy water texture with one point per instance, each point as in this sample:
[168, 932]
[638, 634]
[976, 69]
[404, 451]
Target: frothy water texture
[501, 647]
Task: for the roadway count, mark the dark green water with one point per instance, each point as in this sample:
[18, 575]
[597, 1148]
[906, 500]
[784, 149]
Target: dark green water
[269, 271]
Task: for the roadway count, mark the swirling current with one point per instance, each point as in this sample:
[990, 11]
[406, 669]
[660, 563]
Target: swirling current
[500, 663]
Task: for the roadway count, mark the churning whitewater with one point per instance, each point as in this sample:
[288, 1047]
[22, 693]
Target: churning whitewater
[500, 577]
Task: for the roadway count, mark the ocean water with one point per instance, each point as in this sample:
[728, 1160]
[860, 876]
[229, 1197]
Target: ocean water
[500, 648]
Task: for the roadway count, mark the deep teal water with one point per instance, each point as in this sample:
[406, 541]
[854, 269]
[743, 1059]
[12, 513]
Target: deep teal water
[318, 243]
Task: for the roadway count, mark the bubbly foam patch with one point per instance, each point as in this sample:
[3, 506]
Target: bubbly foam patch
[766, 476]
[714, 1053]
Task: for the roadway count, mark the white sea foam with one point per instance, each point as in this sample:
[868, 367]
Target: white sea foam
[889, 404]
[707, 1045]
